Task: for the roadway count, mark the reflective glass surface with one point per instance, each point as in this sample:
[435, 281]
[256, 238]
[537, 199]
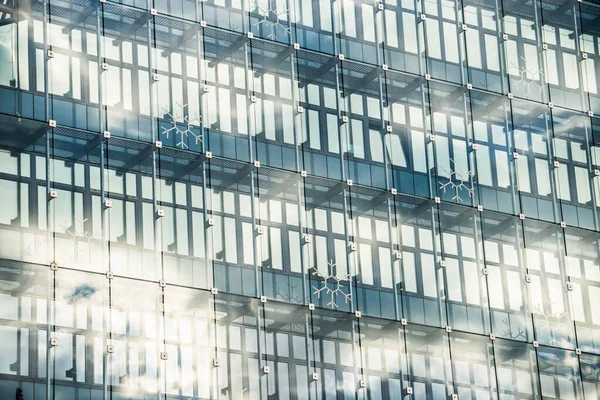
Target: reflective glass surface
[299, 199]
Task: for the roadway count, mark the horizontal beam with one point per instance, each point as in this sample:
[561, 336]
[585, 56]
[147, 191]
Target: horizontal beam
[91, 145]
[191, 166]
[135, 160]
[229, 181]
[539, 237]
[32, 138]
[368, 78]
[494, 230]
[326, 329]
[379, 199]
[513, 6]
[179, 41]
[273, 63]
[326, 196]
[296, 316]
[450, 98]
[415, 212]
[275, 190]
[81, 17]
[446, 224]
[396, 93]
[488, 109]
[130, 30]
[223, 55]
[318, 74]
[555, 14]
[25, 281]
[232, 314]
[520, 120]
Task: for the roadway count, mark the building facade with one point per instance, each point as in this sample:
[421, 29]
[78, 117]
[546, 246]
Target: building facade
[299, 199]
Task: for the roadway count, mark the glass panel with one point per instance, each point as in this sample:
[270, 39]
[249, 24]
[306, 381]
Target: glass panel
[183, 229]
[421, 277]
[319, 133]
[532, 143]
[23, 215]
[527, 75]
[24, 293]
[238, 348]
[583, 272]
[450, 144]
[334, 356]
[357, 30]
[572, 134]
[544, 255]
[137, 333]
[130, 71]
[284, 347]
[516, 369]
[399, 45]
[506, 265]
[473, 366]
[383, 356]
[363, 135]
[429, 363]
[405, 146]
[370, 251]
[226, 102]
[277, 115]
[190, 342]
[465, 291]
[327, 260]
[559, 374]
[228, 227]
[278, 241]
[444, 41]
[178, 92]
[493, 159]
[80, 320]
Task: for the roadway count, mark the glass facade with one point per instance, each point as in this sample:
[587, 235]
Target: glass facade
[299, 199]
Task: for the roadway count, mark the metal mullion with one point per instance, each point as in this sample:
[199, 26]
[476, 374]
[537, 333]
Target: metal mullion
[554, 178]
[247, 63]
[538, 18]
[205, 166]
[155, 159]
[251, 110]
[380, 16]
[479, 253]
[49, 248]
[439, 254]
[161, 370]
[345, 193]
[585, 299]
[590, 168]
[139, 212]
[417, 253]
[450, 361]
[561, 249]
[462, 50]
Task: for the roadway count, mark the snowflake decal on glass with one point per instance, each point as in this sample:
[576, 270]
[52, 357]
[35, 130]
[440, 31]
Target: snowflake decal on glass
[513, 332]
[530, 80]
[332, 279]
[36, 249]
[554, 323]
[182, 133]
[288, 295]
[77, 229]
[270, 17]
[457, 182]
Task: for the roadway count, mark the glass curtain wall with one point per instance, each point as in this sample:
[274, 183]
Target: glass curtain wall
[299, 199]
